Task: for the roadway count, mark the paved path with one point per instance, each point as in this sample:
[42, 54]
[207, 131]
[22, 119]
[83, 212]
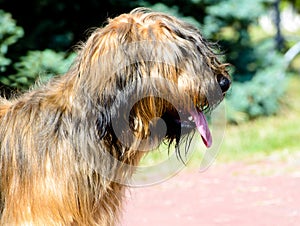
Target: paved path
[266, 193]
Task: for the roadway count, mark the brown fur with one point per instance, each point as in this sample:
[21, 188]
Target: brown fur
[55, 139]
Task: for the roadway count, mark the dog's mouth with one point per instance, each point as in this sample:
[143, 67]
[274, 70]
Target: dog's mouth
[188, 121]
[179, 121]
[197, 119]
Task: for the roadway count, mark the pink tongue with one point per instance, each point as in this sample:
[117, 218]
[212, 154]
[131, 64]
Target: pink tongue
[202, 127]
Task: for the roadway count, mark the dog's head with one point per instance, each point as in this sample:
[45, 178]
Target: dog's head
[154, 75]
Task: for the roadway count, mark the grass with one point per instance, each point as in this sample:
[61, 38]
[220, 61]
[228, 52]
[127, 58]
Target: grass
[253, 140]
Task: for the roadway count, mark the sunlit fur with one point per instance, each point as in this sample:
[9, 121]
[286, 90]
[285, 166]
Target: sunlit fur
[55, 138]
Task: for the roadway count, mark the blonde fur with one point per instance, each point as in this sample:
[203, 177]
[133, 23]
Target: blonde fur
[48, 134]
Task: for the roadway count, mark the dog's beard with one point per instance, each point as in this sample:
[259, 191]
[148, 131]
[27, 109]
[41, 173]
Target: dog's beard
[179, 128]
[172, 124]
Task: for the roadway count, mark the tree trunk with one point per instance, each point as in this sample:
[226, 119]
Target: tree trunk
[279, 38]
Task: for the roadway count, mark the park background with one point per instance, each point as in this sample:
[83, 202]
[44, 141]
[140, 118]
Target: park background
[260, 38]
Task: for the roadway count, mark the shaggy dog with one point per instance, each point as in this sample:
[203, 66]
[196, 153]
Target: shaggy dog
[67, 147]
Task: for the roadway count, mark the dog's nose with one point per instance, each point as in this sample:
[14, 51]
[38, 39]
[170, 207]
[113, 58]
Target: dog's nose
[223, 82]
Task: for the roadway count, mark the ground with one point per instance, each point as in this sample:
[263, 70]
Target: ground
[262, 193]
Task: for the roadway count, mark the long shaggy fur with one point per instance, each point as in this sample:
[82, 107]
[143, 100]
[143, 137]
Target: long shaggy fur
[63, 156]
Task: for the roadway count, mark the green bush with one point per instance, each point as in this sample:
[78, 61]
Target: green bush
[36, 65]
[39, 66]
[261, 95]
[9, 34]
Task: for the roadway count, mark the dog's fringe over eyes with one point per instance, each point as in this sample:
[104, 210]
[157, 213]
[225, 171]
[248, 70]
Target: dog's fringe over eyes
[67, 146]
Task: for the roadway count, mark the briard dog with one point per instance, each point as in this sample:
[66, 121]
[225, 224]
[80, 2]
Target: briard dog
[67, 146]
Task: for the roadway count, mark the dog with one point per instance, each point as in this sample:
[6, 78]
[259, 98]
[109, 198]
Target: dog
[69, 146]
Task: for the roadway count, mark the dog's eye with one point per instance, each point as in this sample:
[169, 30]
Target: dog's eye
[223, 82]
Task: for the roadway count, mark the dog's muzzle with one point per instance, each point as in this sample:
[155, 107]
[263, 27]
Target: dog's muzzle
[224, 83]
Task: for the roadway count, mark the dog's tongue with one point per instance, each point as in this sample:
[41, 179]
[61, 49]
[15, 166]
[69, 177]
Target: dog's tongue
[202, 127]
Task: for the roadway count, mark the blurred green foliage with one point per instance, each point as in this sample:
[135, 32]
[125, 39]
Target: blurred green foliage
[39, 66]
[173, 10]
[55, 26]
[261, 95]
[295, 3]
[9, 34]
